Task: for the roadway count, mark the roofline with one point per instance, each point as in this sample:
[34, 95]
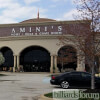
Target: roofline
[51, 20]
[45, 23]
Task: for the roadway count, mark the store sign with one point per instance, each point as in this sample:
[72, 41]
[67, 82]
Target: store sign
[41, 30]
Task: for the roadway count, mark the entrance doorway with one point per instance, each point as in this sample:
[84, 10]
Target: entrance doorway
[67, 58]
[35, 59]
[9, 59]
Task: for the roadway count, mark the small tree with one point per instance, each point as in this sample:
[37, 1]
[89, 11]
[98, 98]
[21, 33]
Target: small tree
[2, 59]
[86, 37]
[90, 10]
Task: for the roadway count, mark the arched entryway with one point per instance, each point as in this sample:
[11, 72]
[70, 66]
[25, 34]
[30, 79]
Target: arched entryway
[67, 58]
[9, 59]
[35, 59]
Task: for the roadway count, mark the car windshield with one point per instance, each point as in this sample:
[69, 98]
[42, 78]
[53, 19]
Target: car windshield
[85, 74]
[75, 73]
[65, 73]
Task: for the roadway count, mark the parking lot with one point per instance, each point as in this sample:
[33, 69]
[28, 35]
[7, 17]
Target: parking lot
[24, 86]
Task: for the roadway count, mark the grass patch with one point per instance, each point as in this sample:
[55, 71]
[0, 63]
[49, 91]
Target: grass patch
[49, 95]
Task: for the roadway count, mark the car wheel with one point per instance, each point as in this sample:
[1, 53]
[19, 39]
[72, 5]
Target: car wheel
[64, 84]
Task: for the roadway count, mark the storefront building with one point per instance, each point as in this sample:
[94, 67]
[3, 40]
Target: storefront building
[32, 46]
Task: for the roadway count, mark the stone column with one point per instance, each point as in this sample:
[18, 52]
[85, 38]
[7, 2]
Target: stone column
[52, 63]
[14, 68]
[80, 63]
[18, 63]
[55, 64]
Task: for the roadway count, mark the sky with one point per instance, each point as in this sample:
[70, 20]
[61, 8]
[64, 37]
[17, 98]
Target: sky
[14, 11]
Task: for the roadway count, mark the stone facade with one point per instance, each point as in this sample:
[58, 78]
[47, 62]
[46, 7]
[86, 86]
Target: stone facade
[43, 34]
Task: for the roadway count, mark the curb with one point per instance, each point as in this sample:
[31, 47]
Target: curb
[42, 97]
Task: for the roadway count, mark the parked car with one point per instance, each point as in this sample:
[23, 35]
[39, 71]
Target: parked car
[74, 79]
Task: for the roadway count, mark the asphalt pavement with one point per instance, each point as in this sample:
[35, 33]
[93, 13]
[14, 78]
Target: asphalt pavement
[24, 86]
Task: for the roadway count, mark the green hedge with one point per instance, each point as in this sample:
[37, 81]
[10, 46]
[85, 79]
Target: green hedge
[49, 95]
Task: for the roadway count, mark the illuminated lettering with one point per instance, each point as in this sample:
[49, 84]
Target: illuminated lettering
[13, 30]
[59, 28]
[42, 30]
[37, 29]
[52, 27]
[22, 29]
[30, 29]
[45, 28]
